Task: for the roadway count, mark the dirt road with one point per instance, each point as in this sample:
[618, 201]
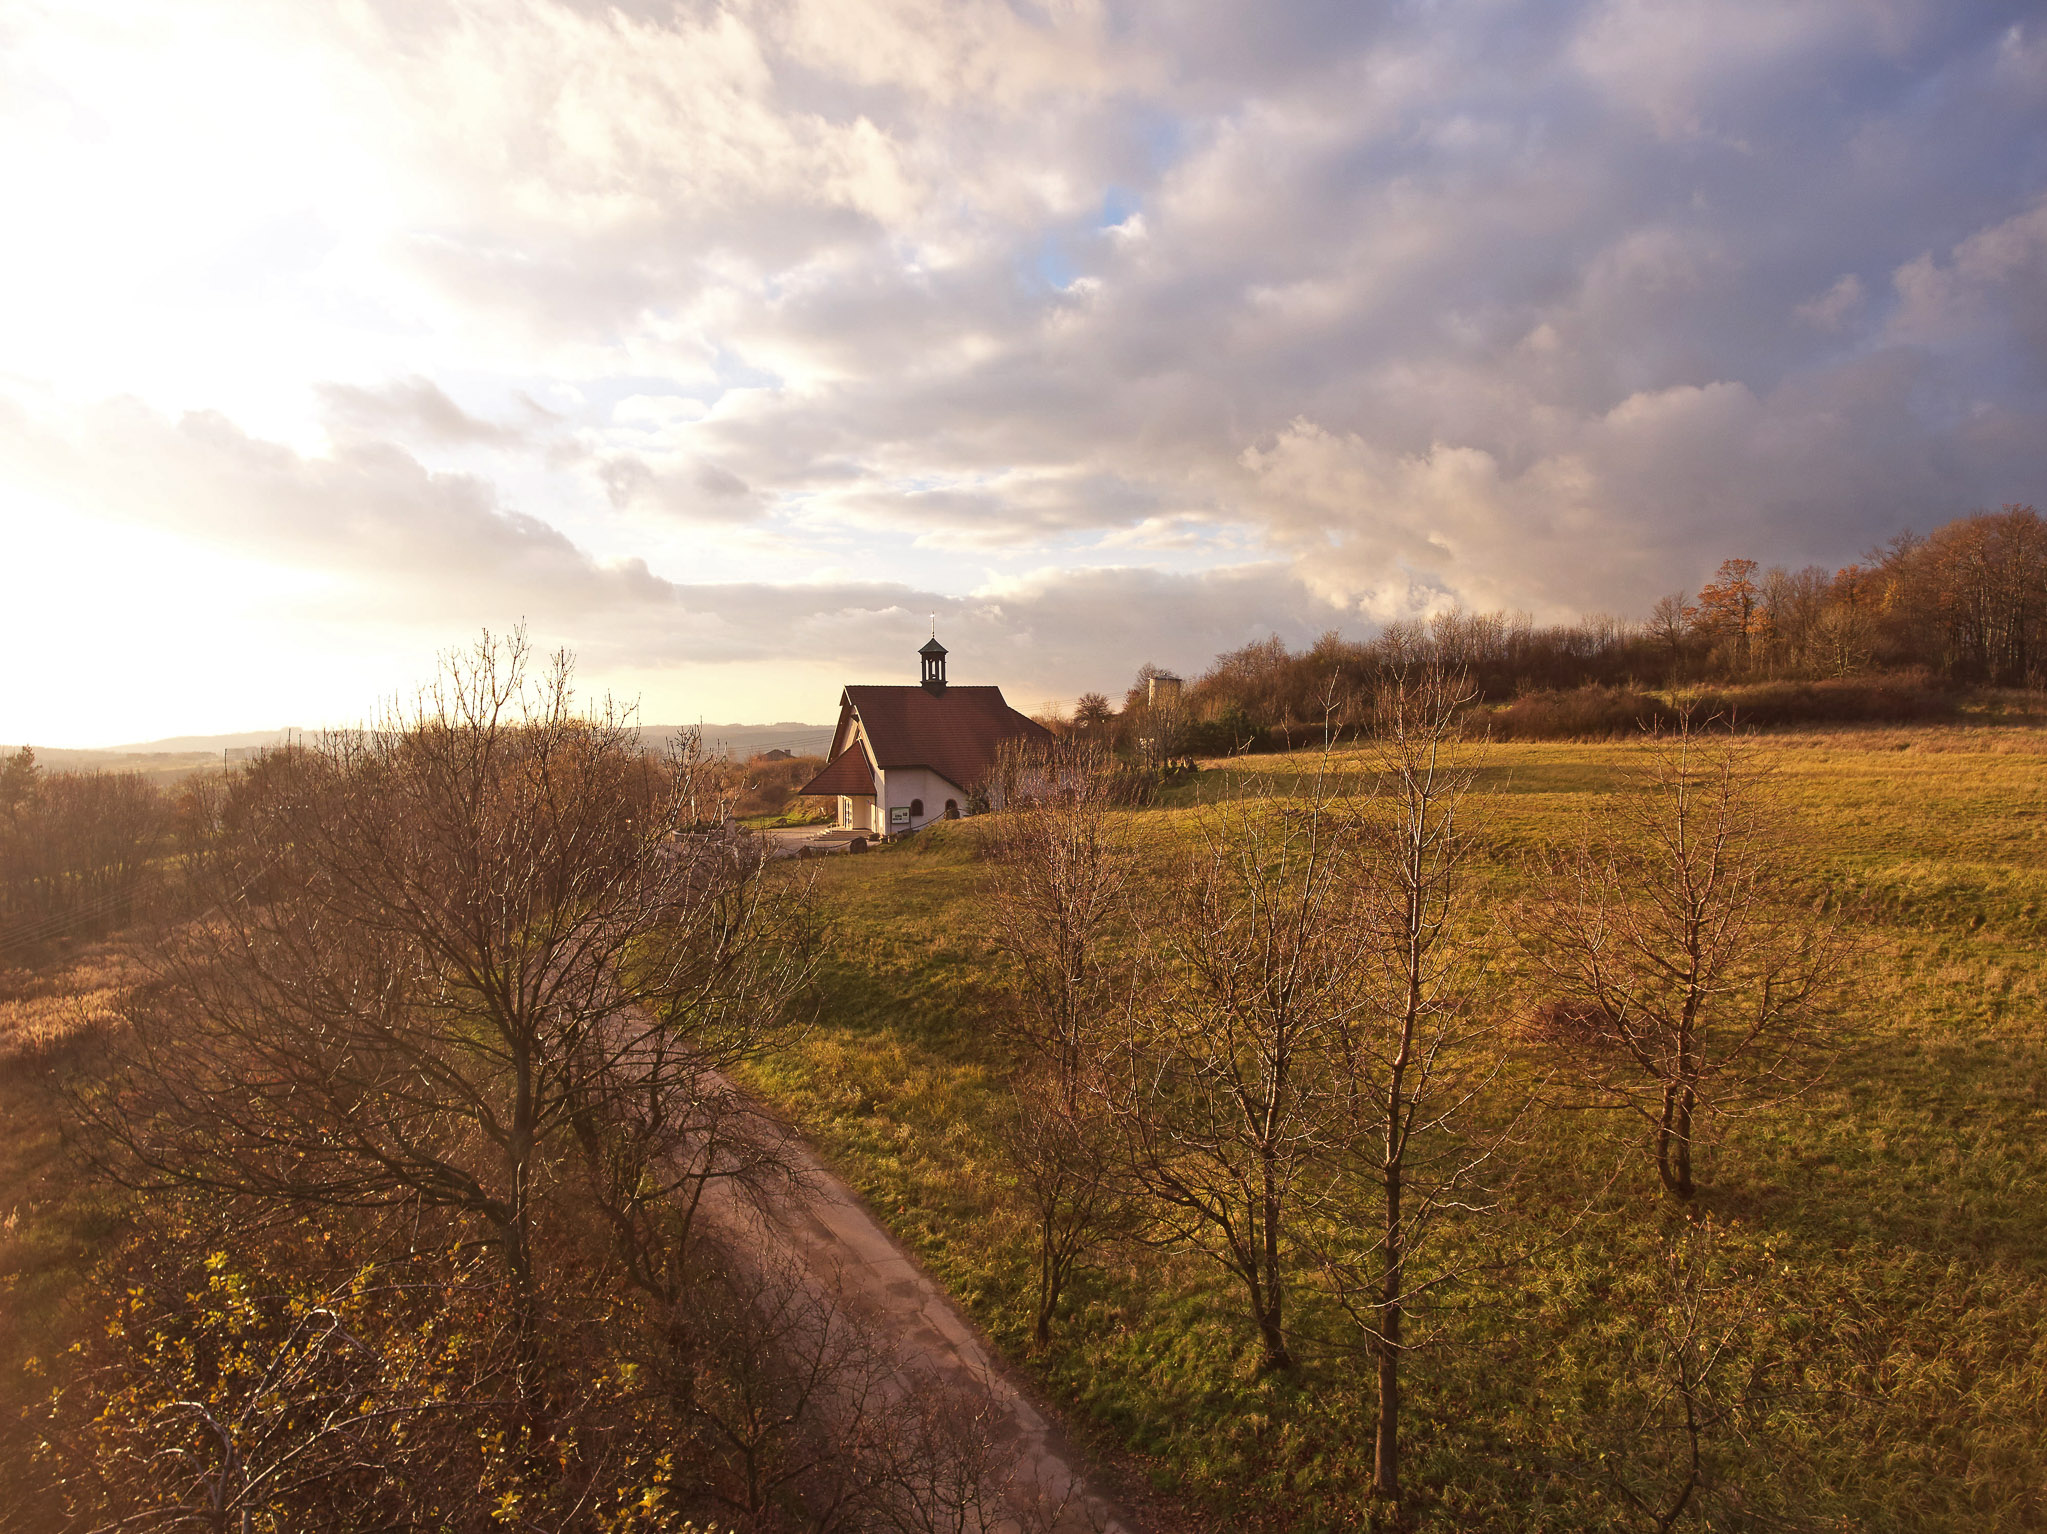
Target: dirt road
[820, 1227]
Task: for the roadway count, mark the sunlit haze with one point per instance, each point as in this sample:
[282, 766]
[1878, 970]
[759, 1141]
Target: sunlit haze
[726, 344]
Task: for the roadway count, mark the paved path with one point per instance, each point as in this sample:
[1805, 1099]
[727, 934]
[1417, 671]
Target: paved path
[823, 1229]
[787, 841]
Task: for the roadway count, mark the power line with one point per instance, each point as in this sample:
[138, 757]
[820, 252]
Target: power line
[53, 926]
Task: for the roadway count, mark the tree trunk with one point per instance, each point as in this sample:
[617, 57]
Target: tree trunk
[1048, 1283]
[519, 1257]
[1392, 1311]
[1271, 1320]
[1272, 1333]
[525, 1310]
[1674, 1141]
[1683, 1150]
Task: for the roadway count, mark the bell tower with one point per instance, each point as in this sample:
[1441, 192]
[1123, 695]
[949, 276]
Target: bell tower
[934, 667]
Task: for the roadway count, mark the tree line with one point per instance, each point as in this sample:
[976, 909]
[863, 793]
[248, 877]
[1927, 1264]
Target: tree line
[1317, 1046]
[79, 852]
[1965, 606]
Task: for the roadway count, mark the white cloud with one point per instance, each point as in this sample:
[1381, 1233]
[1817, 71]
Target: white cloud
[633, 319]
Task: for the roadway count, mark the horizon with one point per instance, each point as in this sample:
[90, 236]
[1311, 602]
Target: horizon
[191, 743]
[730, 346]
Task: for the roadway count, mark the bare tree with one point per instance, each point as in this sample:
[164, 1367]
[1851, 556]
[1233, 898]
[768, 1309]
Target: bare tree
[1062, 858]
[1061, 1151]
[1691, 1388]
[1794, 604]
[1843, 636]
[1408, 1065]
[1216, 1095]
[799, 1412]
[1155, 719]
[1678, 976]
[437, 948]
[78, 854]
[18, 777]
[786, 1403]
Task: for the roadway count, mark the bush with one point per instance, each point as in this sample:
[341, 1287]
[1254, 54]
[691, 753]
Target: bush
[1582, 713]
[1603, 713]
[1884, 700]
[1231, 730]
[768, 786]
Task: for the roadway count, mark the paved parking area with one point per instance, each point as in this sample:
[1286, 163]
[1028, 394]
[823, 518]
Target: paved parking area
[791, 841]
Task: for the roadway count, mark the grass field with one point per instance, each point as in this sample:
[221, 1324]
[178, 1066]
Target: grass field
[1878, 1280]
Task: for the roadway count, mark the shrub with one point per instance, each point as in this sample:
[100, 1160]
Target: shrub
[1604, 713]
[1886, 700]
[767, 787]
[1581, 713]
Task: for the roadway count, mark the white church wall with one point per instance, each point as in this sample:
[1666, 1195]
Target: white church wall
[903, 788]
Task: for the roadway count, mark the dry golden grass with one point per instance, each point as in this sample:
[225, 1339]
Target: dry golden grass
[55, 1219]
[1897, 1200]
[46, 1009]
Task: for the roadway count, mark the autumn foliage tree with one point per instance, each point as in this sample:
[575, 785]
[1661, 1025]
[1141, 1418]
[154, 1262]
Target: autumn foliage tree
[1972, 598]
[1729, 610]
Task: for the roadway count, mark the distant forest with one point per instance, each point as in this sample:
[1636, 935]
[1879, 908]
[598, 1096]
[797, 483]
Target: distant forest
[1898, 636]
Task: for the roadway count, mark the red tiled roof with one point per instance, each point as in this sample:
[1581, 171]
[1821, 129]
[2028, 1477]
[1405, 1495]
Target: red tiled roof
[955, 733]
[847, 773]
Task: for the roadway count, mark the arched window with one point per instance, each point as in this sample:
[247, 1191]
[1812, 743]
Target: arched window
[916, 808]
[952, 809]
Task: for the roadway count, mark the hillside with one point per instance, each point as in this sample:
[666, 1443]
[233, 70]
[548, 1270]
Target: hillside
[180, 755]
[1874, 1282]
[1890, 1215]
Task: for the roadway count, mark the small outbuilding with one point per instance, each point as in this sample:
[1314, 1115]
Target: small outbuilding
[903, 757]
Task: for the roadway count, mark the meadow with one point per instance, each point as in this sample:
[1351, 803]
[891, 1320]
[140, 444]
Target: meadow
[1875, 1290]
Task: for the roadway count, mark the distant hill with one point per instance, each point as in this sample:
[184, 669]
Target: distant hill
[216, 744]
[164, 766]
[744, 740]
[181, 753]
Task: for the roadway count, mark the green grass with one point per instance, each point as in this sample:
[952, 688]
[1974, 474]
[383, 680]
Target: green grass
[1892, 1217]
[798, 814]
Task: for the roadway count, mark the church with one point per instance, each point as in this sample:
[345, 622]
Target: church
[903, 757]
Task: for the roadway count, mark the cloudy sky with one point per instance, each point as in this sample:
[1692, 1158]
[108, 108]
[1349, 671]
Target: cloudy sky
[726, 342]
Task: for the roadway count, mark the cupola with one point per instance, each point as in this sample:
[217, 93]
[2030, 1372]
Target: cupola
[933, 655]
